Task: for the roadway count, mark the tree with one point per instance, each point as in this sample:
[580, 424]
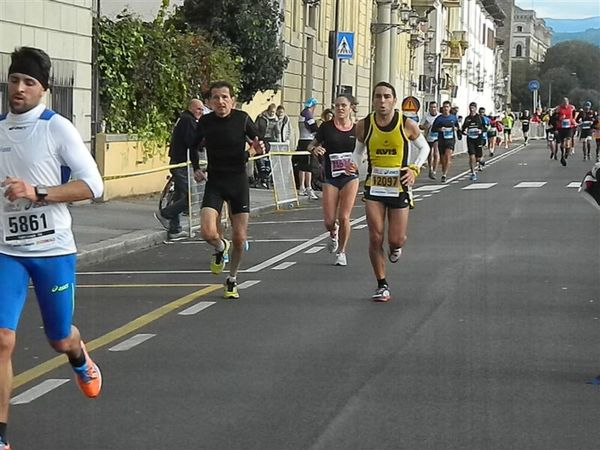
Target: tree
[556, 83]
[252, 29]
[149, 71]
[522, 74]
[579, 96]
[577, 57]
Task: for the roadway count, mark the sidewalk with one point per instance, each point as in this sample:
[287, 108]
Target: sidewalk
[108, 230]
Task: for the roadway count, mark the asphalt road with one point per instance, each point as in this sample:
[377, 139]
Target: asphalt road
[492, 333]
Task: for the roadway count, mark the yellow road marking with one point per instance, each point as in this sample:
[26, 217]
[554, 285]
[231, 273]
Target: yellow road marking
[51, 364]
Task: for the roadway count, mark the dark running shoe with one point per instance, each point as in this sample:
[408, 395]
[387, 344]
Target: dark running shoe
[382, 294]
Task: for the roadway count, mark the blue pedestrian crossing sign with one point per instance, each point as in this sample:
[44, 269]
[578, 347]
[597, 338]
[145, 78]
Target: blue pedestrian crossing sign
[534, 85]
[345, 45]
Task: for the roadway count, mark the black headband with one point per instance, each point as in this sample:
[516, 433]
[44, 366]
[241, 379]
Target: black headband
[30, 67]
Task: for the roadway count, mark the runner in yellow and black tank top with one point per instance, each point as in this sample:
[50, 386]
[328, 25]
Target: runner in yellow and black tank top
[387, 154]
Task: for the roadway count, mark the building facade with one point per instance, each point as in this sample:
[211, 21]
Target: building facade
[64, 30]
[305, 42]
[531, 38]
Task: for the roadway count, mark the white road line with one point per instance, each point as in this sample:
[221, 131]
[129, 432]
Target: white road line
[360, 227]
[275, 259]
[128, 344]
[315, 249]
[430, 187]
[529, 184]
[476, 186]
[249, 241]
[418, 199]
[574, 184]
[194, 309]
[284, 265]
[37, 391]
[275, 222]
[495, 159]
[248, 283]
[145, 272]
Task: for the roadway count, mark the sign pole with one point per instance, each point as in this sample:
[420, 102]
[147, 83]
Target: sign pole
[335, 58]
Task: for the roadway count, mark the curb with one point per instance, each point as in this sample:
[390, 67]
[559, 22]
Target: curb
[134, 241]
[119, 246]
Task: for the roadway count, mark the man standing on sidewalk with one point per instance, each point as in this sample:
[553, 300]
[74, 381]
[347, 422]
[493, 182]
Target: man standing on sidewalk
[183, 140]
[36, 240]
[226, 133]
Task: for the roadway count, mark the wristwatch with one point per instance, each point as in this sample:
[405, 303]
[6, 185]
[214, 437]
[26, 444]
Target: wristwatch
[41, 192]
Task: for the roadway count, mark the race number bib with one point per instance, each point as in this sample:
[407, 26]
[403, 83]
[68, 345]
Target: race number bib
[473, 133]
[448, 133]
[586, 125]
[339, 161]
[433, 136]
[525, 123]
[385, 182]
[27, 224]
[566, 123]
[596, 134]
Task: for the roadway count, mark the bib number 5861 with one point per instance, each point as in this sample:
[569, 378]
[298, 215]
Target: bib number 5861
[27, 224]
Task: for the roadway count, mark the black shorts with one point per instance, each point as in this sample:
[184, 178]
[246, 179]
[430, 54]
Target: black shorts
[341, 181]
[302, 162]
[563, 134]
[404, 199]
[444, 145]
[507, 131]
[231, 188]
[475, 147]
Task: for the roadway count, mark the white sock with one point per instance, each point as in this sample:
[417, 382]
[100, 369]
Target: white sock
[221, 246]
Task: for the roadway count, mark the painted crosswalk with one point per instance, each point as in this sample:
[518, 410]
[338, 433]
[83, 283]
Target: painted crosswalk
[479, 186]
[530, 184]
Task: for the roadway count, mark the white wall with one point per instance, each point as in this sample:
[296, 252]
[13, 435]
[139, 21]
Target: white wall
[63, 29]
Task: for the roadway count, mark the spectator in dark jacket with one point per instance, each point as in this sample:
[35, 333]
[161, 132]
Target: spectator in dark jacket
[183, 140]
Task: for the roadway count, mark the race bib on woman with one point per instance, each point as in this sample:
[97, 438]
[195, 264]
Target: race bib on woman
[339, 161]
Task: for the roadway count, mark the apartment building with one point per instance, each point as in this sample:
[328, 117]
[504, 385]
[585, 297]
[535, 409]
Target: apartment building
[63, 28]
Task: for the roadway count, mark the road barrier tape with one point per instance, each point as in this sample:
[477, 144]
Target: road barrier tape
[175, 166]
[254, 158]
[144, 172]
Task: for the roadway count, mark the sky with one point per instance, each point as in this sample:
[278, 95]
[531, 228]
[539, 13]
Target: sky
[561, 9]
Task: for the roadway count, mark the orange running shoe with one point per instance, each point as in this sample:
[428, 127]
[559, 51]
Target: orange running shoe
[88, 376]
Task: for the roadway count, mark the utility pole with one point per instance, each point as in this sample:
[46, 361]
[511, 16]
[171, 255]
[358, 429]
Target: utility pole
[336, 61]
[382, 50]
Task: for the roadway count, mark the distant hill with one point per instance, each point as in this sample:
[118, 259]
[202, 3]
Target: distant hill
[573, 25]
[592, 35]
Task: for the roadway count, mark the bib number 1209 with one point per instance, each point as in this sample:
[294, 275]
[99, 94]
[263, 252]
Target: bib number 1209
[27, 224]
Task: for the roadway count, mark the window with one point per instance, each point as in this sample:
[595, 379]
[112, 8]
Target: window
[3, 98]
[519, 29]
[61, 88]
[519, 51]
